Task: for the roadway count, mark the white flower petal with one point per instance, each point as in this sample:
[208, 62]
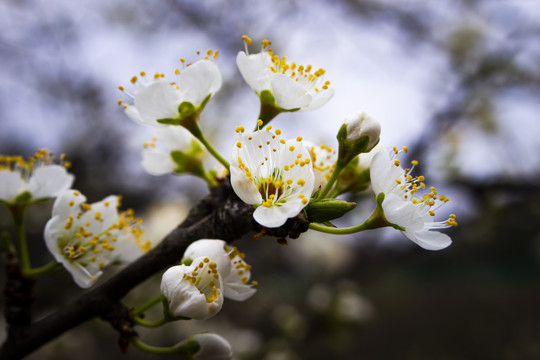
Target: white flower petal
[318, 100]
[11, 185]
[175, 137]
[402, 213]
[49, 181]
[288, 93]
[275, 216]
[156, 162]
[429, 240]
[199, 80]
[213, 249]
[155, 100]
[253, 70]
[132, 113]
[384, 173]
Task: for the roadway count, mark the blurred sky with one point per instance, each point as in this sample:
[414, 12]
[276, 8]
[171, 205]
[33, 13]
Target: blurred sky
[53, 51]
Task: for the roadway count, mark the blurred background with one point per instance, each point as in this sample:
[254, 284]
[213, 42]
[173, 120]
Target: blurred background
[458, 82]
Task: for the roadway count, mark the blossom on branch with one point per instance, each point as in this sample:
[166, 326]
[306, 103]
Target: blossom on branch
[323, 159]
[273, 174]
[23, 181]
[234, 271]
[412, 215]
[159, 101]
[287, 86]
[182, 154]
[86, 238]
[193, 291]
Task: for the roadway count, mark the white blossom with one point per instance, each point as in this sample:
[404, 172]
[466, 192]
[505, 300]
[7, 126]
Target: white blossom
[294, 87]
[34, 179]
[86, 238]
[159, 98]
[178, 144]
[273, 174]
[234, 271]
[402, 207]
[193, 291]
[324, 162]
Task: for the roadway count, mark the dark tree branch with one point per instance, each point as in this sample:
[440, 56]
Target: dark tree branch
[221, 215]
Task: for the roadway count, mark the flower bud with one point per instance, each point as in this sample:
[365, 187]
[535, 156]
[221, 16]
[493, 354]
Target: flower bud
[328, 209]
[359, 133]
[208, 347]
[361, 124]
[193, 291]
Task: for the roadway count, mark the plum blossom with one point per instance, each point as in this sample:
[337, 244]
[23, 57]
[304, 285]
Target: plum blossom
[402, 207]
[86, 238]
[157, 101]
[273, 174]
[24, 181]
[293, 87]
[193, 291]
[180, 152]
[235, 272]
[323, 159]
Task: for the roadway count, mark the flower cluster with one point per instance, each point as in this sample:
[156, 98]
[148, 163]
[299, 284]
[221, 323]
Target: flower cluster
[28, 180]
[211, 270]
[86, 238]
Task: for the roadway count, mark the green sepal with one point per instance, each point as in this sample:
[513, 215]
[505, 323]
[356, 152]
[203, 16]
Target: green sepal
[327, 209]
[169, 121]
[186, 261]
[380, 198]
[185, 109]
[167, 312]
[204, 102]
[267, 97]
[190, 347]
[23, 198]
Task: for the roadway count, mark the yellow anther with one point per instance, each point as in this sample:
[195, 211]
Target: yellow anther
[291, 148]
[305, 201]
[405, 149]
[301, 182]
[282, 141]
[176, 72]
[289, 181]
[286, 167]
[239, 144]
[414, 162]
[278, 131]
[133, 80]
[259, 122]
[396, 162]
[246, 39]
[299, 138]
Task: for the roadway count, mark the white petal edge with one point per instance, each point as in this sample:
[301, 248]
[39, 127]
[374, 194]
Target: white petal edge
[49, 181]
[288, 93]
[11, 184]
[157, 162]
[199, 80]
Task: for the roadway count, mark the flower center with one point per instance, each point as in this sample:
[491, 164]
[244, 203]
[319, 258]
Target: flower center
[204, 277]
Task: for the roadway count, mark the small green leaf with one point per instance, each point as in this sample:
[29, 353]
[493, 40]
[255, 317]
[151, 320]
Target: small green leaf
[169, 121]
